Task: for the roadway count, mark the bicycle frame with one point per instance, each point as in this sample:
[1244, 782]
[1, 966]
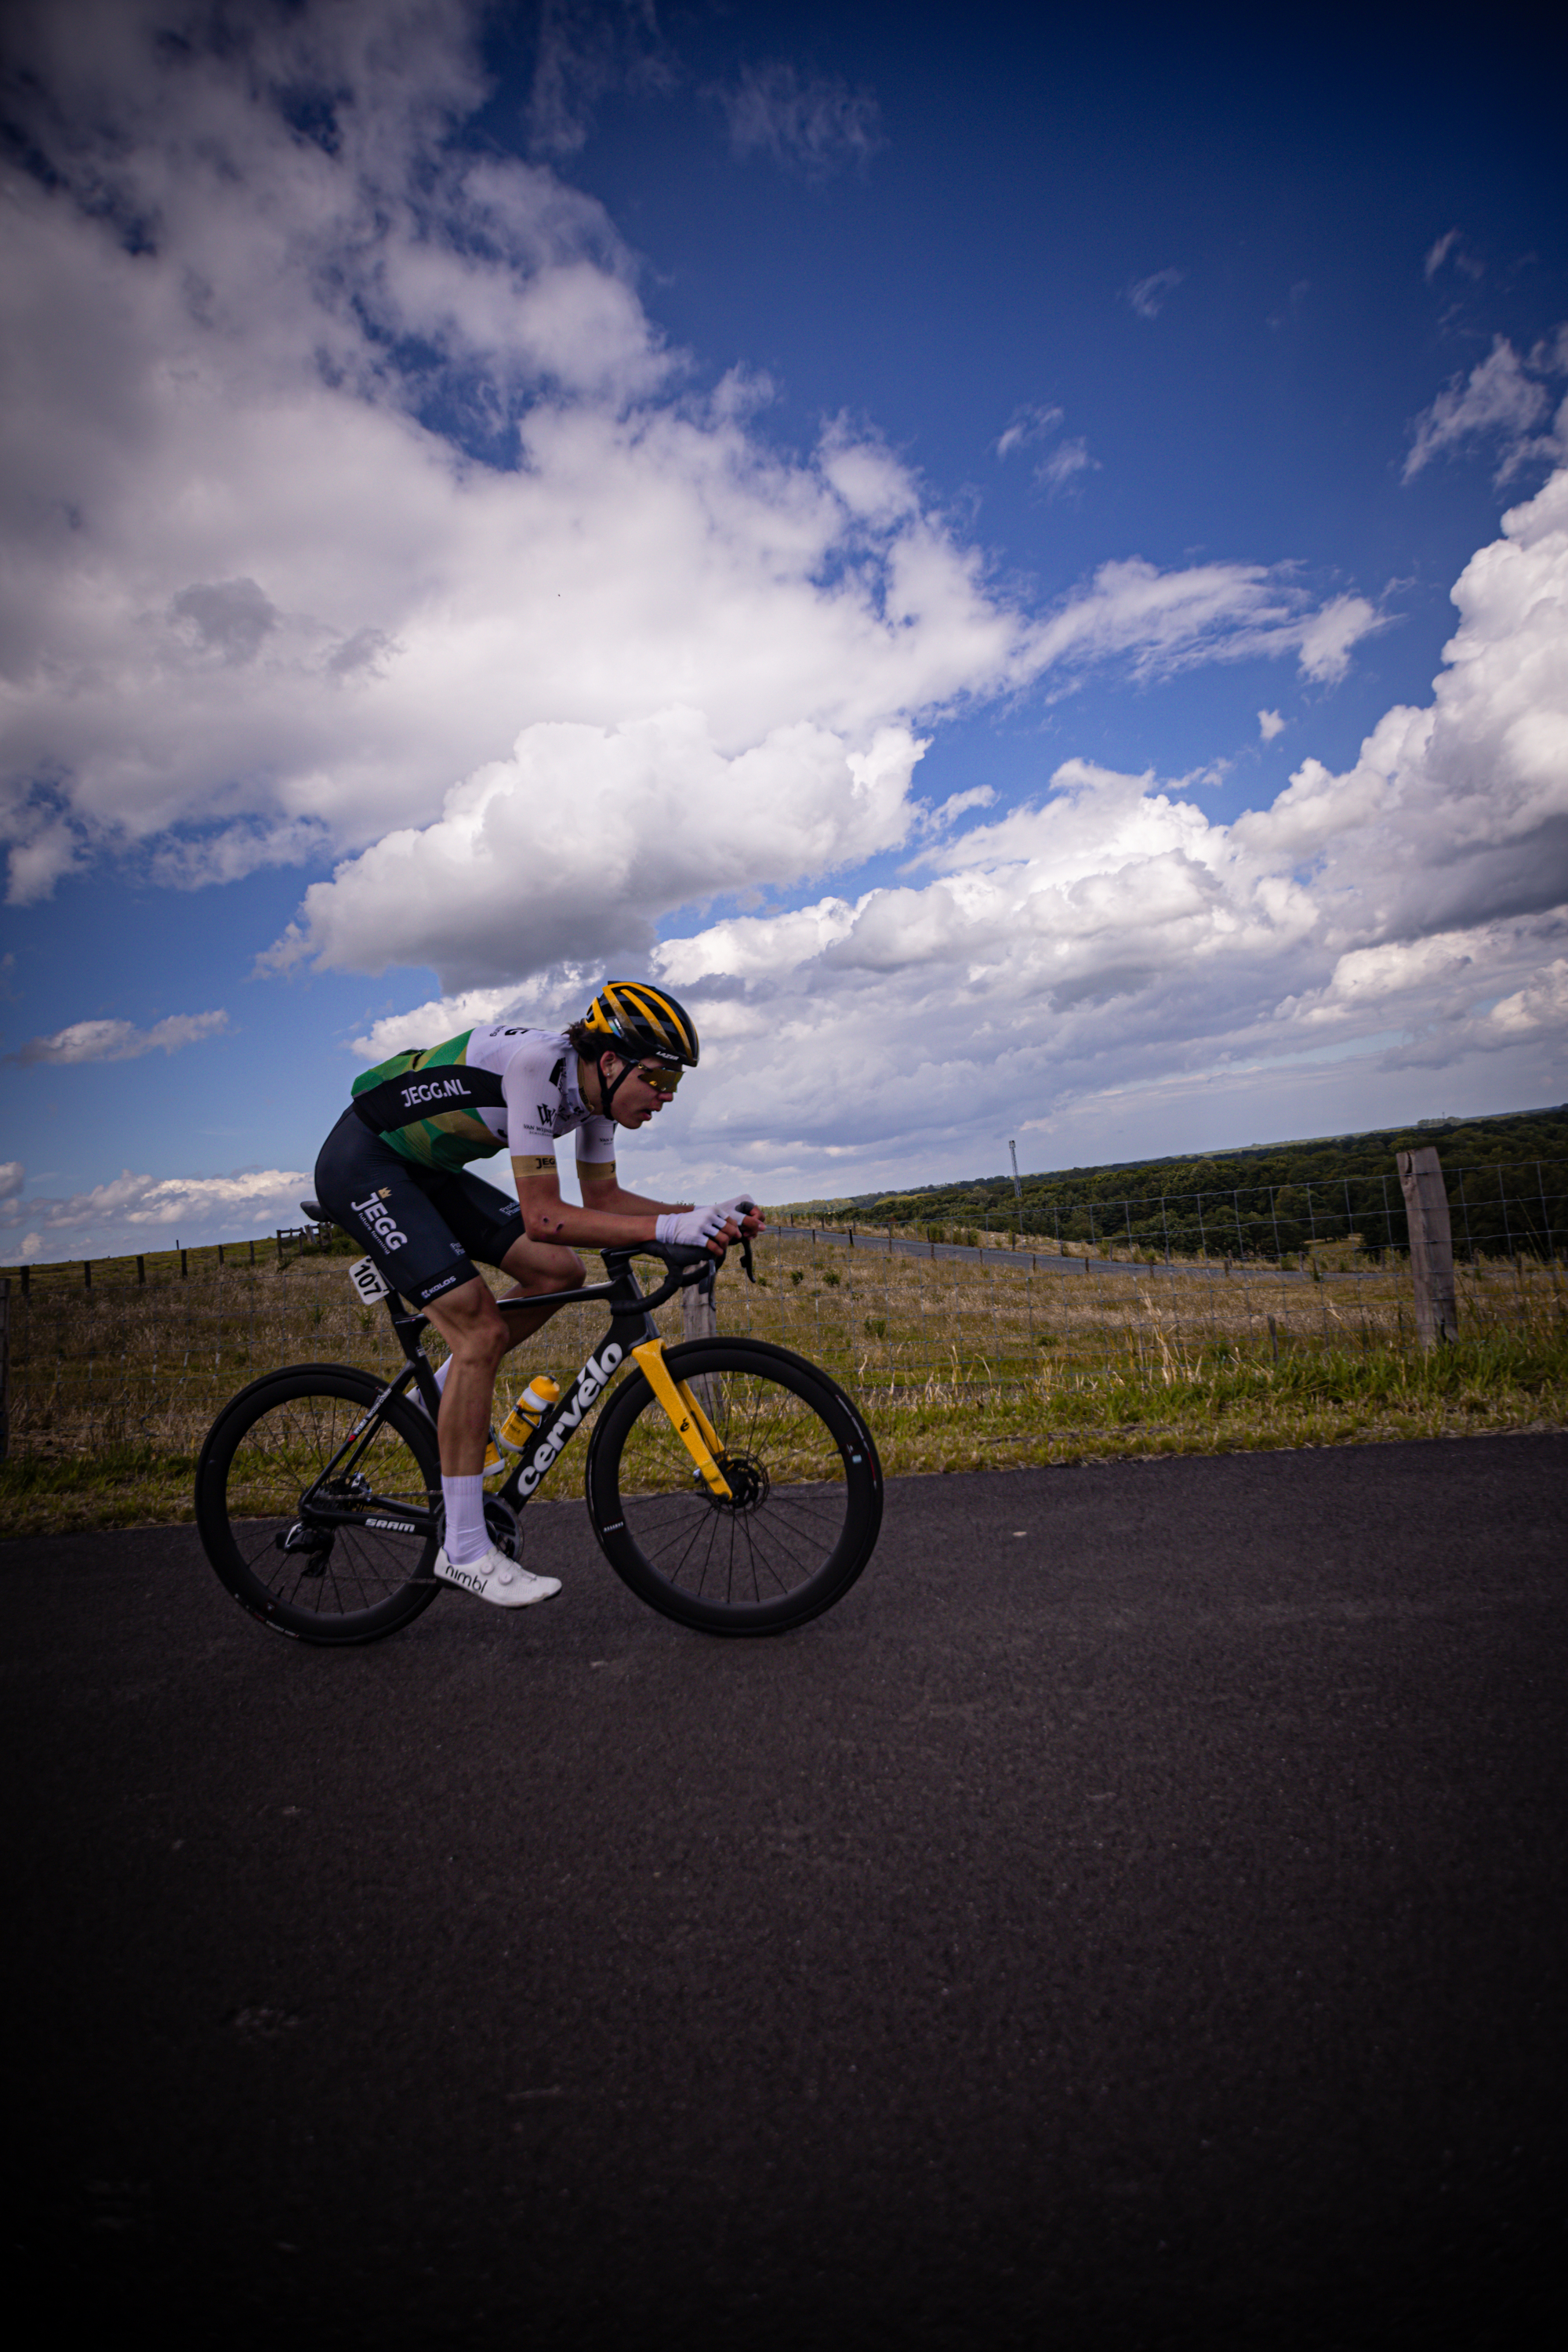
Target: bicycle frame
[632, 1335]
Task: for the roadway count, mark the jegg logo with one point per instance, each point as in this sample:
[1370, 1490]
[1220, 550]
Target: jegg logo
[433, 1090]
[378, 1219]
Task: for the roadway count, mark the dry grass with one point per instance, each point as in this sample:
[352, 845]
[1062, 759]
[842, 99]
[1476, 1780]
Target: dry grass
[957, 1364]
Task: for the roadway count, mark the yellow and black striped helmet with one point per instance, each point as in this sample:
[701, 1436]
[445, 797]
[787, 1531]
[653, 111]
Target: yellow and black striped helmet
[646, 1020]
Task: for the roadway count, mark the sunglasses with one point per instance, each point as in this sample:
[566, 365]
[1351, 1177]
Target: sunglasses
[660, 1080]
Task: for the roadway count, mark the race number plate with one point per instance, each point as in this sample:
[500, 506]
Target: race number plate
[369, 1285]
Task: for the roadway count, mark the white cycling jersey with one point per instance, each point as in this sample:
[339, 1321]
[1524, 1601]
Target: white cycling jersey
[498, 1088]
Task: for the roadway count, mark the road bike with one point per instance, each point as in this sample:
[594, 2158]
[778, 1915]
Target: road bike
[731, 1485]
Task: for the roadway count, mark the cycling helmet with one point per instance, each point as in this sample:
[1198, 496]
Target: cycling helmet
[649, 1024]
[643, 1024]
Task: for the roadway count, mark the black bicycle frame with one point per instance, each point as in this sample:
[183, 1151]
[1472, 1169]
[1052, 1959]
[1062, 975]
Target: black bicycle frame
[631, 1323]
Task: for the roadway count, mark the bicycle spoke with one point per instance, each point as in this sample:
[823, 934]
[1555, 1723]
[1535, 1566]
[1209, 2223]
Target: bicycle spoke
[268, 1481]
[800, 1513]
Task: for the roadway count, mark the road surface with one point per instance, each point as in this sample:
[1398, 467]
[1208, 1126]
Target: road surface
[1133, 1918]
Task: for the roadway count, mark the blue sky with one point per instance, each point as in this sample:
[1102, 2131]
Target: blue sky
[1020, 566]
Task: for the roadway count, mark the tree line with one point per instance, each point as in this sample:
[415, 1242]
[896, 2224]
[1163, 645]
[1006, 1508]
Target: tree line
[1507, 1179]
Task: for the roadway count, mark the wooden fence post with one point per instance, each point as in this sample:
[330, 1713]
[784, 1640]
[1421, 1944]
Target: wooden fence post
[1431, 1244]
[700, 1320]
[699, 1314]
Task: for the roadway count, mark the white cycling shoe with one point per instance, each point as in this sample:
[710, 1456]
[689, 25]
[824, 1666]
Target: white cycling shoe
[493, 1577]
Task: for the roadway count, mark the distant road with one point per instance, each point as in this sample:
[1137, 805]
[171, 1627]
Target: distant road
[1038, 1261]
[1133, 1918]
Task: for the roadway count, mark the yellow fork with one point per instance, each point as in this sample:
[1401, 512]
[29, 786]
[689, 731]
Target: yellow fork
[691, 1424]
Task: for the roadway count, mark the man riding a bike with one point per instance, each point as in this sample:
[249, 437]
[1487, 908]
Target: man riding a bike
[395, 1174]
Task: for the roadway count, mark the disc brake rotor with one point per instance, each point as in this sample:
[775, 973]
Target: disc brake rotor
[747, 1484]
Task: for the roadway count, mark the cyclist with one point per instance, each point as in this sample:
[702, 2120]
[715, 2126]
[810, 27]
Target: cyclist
[394, 1173]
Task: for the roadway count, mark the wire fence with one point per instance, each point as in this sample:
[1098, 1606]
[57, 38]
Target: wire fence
[144, 1351]
[1498, 1213]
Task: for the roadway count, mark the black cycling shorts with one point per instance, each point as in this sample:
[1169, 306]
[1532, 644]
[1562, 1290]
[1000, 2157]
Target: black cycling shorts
[422, 1226]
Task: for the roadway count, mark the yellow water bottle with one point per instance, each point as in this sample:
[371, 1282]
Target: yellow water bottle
[524, 1417]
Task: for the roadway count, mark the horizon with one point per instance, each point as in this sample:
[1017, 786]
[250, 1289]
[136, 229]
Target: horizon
[831, 1202]
[1036, 550]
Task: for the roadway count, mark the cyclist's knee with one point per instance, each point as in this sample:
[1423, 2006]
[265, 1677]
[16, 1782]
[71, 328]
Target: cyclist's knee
[470, 1322]
[548, 1270]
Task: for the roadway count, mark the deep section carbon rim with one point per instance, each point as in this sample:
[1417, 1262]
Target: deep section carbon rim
[343, 1573]
[806, 1492]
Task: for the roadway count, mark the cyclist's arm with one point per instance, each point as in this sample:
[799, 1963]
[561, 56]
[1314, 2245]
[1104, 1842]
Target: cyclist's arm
[609, 1216]
[603, 1189]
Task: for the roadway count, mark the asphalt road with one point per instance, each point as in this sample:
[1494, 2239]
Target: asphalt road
[1133, 1918]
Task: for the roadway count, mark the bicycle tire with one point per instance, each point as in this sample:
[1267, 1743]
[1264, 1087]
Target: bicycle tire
[260, 1455]
[807, 1481]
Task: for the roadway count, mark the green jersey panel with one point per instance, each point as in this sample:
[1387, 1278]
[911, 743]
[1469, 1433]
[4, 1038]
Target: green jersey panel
[426, 1105]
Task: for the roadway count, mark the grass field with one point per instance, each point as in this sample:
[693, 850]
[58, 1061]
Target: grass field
[957, 1364]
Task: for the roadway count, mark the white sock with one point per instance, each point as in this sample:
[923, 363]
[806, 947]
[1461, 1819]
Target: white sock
[441, 1373]
[466, 1536]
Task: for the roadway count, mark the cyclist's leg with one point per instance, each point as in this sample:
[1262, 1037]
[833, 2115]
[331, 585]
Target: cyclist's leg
[487, 1225]
[378, 1197]
[537, 1268]
[476, 1339]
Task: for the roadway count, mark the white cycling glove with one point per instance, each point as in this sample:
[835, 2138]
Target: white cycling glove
[741, 1206]
[689, 1227]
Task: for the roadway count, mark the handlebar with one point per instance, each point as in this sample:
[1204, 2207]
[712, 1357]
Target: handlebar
[688, 1268]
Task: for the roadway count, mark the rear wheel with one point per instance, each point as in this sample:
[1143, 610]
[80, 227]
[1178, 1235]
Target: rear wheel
[805, 1502]
[346, 1563]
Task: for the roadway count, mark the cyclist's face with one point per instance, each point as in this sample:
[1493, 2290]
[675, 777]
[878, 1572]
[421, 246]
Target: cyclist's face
[645, 1091]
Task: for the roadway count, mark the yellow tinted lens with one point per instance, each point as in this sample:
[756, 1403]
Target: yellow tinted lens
[662, 1081]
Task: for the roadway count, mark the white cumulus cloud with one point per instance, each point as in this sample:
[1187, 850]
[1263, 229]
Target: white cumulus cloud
[1540, 1007]
[132, 1210]
[343, 458]
[1113, 941]
[119, 1041]
[574, 846]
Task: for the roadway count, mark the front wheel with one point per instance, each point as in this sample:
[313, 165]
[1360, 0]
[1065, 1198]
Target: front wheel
[806, 1491]
[330, 1558]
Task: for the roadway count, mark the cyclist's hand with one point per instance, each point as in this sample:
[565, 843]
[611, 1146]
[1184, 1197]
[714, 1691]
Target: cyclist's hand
[693, 1229]
[743, 1214]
